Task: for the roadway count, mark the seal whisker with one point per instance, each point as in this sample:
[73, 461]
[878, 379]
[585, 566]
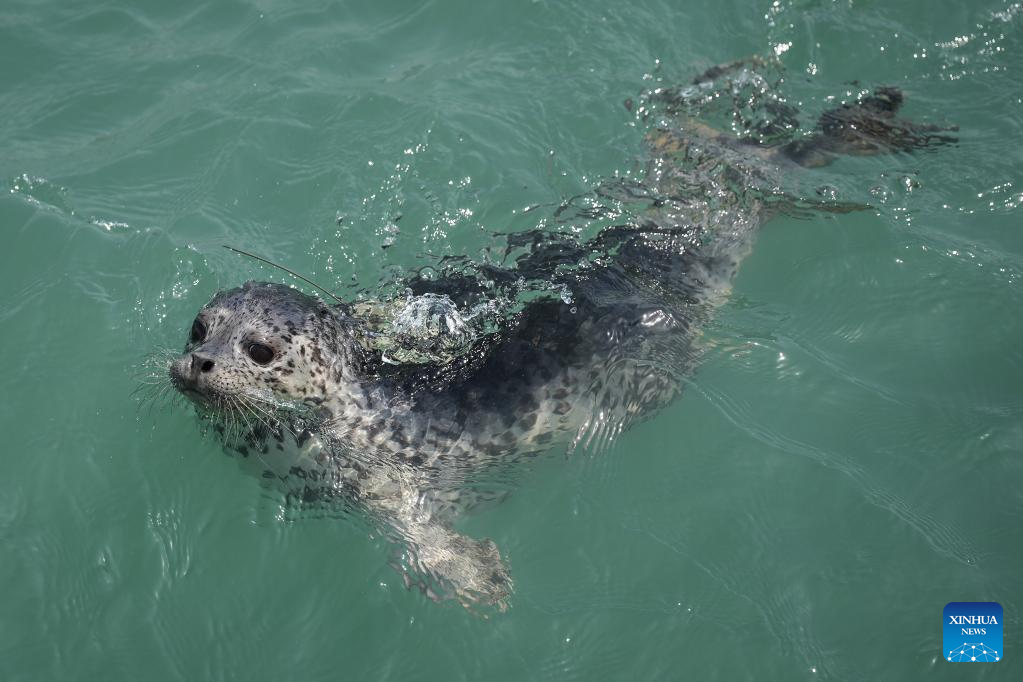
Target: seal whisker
[239, 422]
[246, 409]
[150, 395]
[287, 270]
[154, 384]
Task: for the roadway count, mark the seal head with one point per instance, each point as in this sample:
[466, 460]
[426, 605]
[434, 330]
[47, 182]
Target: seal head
[267, 342]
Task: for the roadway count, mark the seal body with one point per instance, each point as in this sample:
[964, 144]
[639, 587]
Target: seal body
[398, 407]
[301, 392]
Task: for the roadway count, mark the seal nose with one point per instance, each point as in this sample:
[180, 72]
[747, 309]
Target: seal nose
[201, 363]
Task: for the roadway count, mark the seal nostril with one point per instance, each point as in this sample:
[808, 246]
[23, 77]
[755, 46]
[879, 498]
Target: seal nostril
[206, 366]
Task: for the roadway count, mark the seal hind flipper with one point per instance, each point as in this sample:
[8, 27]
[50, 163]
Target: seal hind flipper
[866, 127]
[767, 124]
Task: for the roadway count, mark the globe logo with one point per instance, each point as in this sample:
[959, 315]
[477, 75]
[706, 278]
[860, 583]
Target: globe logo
[973, 653]
[972, 632]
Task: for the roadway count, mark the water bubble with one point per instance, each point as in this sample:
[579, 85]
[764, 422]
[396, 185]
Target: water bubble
[909, 183]
[827, 192]
[881, 193]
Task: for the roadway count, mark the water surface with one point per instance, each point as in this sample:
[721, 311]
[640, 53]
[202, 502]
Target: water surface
[845, 461]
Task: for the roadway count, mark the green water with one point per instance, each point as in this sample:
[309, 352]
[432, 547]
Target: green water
[846, 459]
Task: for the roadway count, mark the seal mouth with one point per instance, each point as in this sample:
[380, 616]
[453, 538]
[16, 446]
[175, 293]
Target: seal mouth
[186, 387]
[192, 394]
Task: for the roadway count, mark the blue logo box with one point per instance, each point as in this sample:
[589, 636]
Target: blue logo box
[973, 632]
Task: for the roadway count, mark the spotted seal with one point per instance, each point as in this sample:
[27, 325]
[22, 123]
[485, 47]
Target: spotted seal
[395, 406]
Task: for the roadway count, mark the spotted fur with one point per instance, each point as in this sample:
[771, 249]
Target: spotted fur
[330, 415]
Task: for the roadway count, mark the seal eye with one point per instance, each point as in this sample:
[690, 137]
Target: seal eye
[260, 353]
[198, 331]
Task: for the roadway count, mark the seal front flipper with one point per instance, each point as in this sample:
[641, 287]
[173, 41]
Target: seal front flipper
[445, 564]
[416, 513]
